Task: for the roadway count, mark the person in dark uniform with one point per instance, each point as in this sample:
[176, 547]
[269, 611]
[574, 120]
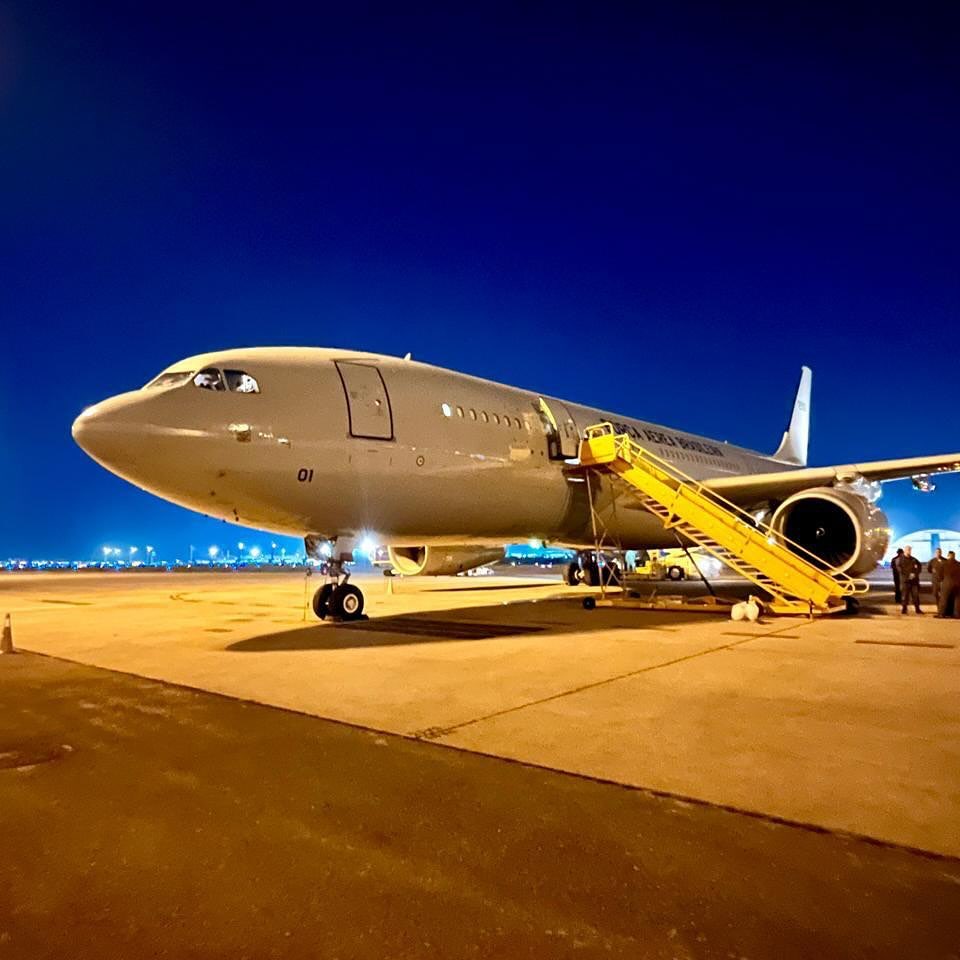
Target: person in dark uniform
[895, 569]
[950, 587]
[909, 580]
[935, 569]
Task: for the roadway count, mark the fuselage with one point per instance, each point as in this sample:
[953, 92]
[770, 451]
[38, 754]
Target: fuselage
[334, 443]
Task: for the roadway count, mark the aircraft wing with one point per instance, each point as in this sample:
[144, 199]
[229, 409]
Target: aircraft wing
[754, 487]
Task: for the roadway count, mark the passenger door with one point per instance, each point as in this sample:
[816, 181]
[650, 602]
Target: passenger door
[563, 438]
[368, 405]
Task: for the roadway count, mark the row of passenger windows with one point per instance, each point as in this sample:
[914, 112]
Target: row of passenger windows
[469, 413]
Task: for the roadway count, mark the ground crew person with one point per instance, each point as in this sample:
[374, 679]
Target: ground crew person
[935, 569]
[950, 587]
[909, 580]
[895, 569]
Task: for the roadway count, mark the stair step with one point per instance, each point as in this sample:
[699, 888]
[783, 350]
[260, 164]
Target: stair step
[800, 578]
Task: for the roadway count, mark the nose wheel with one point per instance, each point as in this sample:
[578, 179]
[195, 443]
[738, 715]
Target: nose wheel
[337, 599]
[341, 601]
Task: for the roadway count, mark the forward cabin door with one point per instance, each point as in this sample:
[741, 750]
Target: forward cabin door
[563, 438]
[368, 404]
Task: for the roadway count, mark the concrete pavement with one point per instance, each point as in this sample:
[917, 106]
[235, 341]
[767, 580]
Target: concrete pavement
[834, 723]
[140, 819]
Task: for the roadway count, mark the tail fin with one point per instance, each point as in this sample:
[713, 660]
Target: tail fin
[793, 446]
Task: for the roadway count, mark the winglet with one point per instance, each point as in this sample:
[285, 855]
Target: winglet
[793, 446]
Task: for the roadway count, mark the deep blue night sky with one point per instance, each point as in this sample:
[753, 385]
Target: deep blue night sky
[663, 213]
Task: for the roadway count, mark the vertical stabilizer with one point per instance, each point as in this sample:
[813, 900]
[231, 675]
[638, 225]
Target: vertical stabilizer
[793, 446]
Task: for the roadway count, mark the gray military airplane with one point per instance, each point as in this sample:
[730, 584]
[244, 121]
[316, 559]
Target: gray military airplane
[445, 468]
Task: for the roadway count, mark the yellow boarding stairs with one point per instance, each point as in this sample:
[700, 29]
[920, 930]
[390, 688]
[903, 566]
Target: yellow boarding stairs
[783, 569]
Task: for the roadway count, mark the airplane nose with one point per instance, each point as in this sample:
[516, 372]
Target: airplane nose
[105, 430]
[81, 427]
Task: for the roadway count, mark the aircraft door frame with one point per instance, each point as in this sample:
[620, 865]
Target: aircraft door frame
[563, 437]
[369, 412]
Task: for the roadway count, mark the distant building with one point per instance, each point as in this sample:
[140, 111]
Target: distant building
[924, 542]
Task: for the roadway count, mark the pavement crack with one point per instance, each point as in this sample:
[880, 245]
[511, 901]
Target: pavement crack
[436, 733]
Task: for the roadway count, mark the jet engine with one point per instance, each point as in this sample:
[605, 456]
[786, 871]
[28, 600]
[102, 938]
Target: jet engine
[846, 532]
[440, 561]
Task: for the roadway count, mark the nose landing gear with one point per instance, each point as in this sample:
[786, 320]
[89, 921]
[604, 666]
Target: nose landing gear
[337, 598]
[341, 601]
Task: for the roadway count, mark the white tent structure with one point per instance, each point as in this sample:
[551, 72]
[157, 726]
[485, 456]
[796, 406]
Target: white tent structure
[924, 542]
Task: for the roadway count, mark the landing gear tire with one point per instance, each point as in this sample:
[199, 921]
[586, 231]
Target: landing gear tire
[346, 602]
[853, 606]
[321, 601]
[674, 573]
[573, 574]
[611, 575]
[591, 574]
[589, 603]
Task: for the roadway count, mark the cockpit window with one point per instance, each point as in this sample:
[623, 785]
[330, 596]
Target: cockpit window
[171, 379]
[241, 382]
[209, 379]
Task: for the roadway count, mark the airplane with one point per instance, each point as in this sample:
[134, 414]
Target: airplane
[445, 468]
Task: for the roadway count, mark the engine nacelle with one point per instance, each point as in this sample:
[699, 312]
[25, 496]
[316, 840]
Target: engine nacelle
[441, 561]
[847, 533]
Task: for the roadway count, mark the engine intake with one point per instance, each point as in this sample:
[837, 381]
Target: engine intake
[441, 561]
[845, 532]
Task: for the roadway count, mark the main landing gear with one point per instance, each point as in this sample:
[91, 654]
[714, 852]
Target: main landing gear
[585, 569]
[337, 599]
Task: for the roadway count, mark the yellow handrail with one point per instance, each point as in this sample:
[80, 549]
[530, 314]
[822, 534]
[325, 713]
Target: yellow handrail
[848, 584]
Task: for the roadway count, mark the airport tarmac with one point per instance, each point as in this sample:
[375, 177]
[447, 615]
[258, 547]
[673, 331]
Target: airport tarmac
[761, 738]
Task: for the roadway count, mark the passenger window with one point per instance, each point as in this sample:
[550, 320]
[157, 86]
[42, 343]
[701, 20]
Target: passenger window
[240, 382]
[209, 379]
[517, 422]
[496, 418]
[445, 407]
[484, 417]
[460, 411]
[473, 414]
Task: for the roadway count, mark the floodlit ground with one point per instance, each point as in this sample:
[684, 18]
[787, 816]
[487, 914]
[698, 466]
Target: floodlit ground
[847, 724]
[781, 790]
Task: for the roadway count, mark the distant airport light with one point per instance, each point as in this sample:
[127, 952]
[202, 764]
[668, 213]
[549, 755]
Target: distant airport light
[240, 546]
[213, 551]
[133, 550]
[368, 545]
[254, 552]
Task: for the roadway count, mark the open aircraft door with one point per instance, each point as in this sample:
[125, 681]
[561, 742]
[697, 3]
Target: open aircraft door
[368, 405]
[563, 438]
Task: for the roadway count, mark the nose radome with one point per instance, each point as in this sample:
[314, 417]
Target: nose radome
[105, 430]
[81, 426]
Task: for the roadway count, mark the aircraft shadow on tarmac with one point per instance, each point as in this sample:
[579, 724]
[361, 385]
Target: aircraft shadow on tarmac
[473, 623]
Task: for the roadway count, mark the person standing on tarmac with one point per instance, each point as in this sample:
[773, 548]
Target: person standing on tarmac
[895, 569]
[909, 580]
[950, 587]
[935, 569]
